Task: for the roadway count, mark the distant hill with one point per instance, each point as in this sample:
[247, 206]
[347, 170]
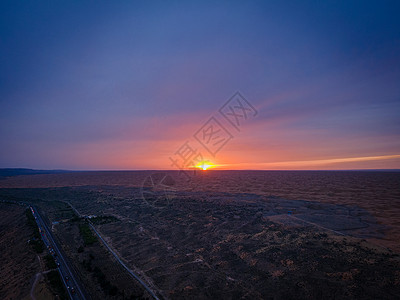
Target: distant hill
[7, 172]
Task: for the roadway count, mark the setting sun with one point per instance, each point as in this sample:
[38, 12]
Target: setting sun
[204, 165]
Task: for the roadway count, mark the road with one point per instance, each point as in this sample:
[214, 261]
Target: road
[148, 289]
[123, 264]
[75, 291]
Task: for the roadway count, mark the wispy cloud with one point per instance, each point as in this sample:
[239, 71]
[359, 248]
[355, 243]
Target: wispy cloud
[307, 164]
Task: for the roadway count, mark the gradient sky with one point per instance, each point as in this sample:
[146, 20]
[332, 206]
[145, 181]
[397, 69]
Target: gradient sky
[122, 85]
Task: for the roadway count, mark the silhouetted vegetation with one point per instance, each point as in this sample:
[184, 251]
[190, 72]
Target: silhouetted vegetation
[87, 235]
[50, 262]
[87, 264]
[103, 219]
[36, 241]
[75, 219]
[56, 284]
[107, 287]
[105, 284]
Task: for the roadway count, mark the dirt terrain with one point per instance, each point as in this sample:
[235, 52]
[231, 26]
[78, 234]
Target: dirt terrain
[245, 235]
[376, 192]
[19, 264]
[89, 258]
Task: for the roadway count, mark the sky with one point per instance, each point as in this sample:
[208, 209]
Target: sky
[124, 85]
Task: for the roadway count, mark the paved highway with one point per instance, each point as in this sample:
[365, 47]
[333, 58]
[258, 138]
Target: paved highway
[75, 291]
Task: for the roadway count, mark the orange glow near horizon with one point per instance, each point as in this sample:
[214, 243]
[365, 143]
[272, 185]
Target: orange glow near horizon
[246, 153]
[205, 165]
[317, 164]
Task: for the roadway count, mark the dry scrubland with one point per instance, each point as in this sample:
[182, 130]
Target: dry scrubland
[101, 276]
[19, 264]
[376, 192]
[274, 234]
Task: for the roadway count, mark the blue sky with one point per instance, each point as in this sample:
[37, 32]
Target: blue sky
[121, 85]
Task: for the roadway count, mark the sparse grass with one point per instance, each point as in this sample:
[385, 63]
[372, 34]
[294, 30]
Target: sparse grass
[264, 258]
[63, 211]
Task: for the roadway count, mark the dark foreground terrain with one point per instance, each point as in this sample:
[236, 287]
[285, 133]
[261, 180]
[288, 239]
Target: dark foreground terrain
[194, 242]
[26, 270]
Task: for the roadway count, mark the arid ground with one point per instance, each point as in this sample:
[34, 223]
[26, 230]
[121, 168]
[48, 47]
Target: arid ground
[225, 234]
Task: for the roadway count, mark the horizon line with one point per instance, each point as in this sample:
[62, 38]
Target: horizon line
[177, 170]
